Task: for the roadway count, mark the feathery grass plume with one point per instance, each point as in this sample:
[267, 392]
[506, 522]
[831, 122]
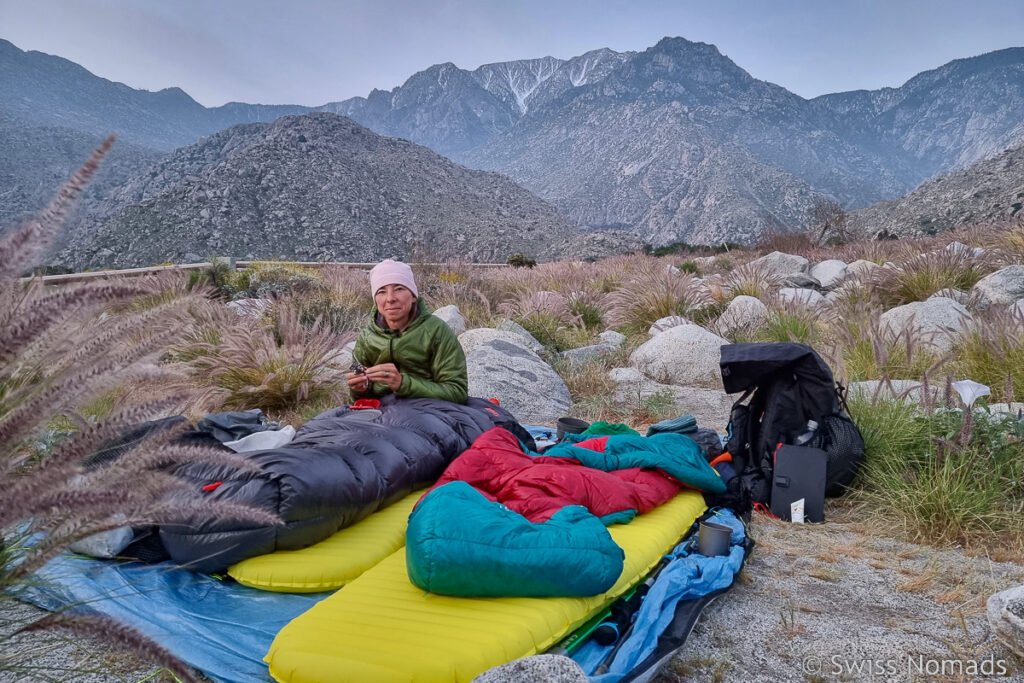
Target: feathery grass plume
[275, 363]
[871, 350]
[793, 321]
[547, 316]
[918, 276]
[652, 292]
[992, 352]
[61, 350]
[751, 280]
[1008, 243]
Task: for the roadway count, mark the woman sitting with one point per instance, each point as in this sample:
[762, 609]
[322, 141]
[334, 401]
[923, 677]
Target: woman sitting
[406, 350]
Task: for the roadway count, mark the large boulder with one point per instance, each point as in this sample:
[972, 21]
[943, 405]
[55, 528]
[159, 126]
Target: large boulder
[470, 339]
[452, 317]
[780, 264]
[830, 273]
[612, 338]
[862, 268]
[514, 327]
[936, 323]
[710, 407]
[744, 313]
[585, 353]
[1005, 612]
[687, 355]
[803, 297]
[1003, 287]
[523, 383]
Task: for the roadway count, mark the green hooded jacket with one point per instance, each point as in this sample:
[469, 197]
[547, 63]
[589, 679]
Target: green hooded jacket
[427, 353]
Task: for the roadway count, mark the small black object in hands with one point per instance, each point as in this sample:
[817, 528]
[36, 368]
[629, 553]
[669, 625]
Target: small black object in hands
[357, 368]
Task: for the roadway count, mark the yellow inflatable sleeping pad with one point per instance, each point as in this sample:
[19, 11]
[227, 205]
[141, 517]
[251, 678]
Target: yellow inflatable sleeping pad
[381, 628]
[334, 561]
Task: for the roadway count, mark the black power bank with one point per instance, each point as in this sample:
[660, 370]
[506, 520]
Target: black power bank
[799, 473]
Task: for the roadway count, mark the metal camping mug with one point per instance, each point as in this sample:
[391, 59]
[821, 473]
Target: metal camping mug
[569, 425]
[713, 539]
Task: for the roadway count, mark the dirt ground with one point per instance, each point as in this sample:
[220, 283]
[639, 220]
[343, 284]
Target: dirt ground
[839, 602]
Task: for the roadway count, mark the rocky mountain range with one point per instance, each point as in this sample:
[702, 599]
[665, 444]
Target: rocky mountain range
[990, 192]
[674, 143]
[317, 187]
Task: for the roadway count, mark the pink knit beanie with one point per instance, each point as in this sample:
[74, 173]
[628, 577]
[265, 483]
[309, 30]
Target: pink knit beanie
[389, 272]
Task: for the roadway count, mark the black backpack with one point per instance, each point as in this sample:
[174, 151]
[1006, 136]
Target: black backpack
[787, 384]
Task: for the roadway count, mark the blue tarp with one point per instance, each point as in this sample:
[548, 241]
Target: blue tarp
[219, 627]
[687, 575]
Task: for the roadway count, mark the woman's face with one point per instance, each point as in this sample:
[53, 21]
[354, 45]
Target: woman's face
[395, 304]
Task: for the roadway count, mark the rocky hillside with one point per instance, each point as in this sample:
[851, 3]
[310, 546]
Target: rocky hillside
[42, 90]
[314, 187]
[36, 160]
[990, 191]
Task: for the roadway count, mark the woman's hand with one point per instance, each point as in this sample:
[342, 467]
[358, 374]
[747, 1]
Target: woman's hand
[357, 381]
[385, 373]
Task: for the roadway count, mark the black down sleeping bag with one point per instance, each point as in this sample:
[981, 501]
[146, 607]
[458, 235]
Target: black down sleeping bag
[337, 470]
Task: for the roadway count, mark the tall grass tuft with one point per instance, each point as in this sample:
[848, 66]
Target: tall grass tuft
[64, 349]
[652, 292]
[275, 363]
[943, 477]
[992, 353]
[751, 280]
[919, 276]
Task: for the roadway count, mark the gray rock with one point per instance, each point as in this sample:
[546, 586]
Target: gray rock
[612, 338]
[1005, 612]
[519, 379]
[781, 265]
[667, 323]
[470, 339]
[805, 297]
[585, 353]
[898, 389]
[452, 317]
[1003, 287]
[862, 268]
[829, 273]
[249, 308]
[961, 248]
[801, 281]
[687, 355]
[936, 323]
[957, 295]
[710, 407]
[744, 313]
[516, 328]
[535, 669]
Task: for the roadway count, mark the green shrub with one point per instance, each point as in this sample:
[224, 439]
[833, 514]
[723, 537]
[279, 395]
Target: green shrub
[949, 477]
[993, 353]
[689, 267]
[520, 261]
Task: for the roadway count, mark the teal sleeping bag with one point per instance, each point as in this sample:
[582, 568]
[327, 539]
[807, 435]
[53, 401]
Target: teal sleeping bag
[460, 543]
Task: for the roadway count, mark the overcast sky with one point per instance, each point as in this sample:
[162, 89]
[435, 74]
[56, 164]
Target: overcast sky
[316, 51]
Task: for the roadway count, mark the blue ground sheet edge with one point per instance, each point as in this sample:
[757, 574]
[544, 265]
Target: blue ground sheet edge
[218, 627]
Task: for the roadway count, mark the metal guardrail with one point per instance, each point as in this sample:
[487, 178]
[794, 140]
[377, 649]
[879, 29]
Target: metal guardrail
[68, 278]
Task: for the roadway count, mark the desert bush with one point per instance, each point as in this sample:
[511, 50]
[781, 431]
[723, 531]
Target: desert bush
[1008, 242]
[520, 261]
[275, 363]
[689, 267]
[992, 353]
[651, 293]
[951, 476]
[264, 279]
[787, 242]
[751, 280]
[921, 275]
[547, 316]
[61, 350]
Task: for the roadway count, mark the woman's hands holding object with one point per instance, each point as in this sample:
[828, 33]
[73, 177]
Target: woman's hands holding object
[385, 373]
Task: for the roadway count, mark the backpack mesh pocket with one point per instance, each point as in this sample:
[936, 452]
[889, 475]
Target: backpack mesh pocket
[839, 437]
